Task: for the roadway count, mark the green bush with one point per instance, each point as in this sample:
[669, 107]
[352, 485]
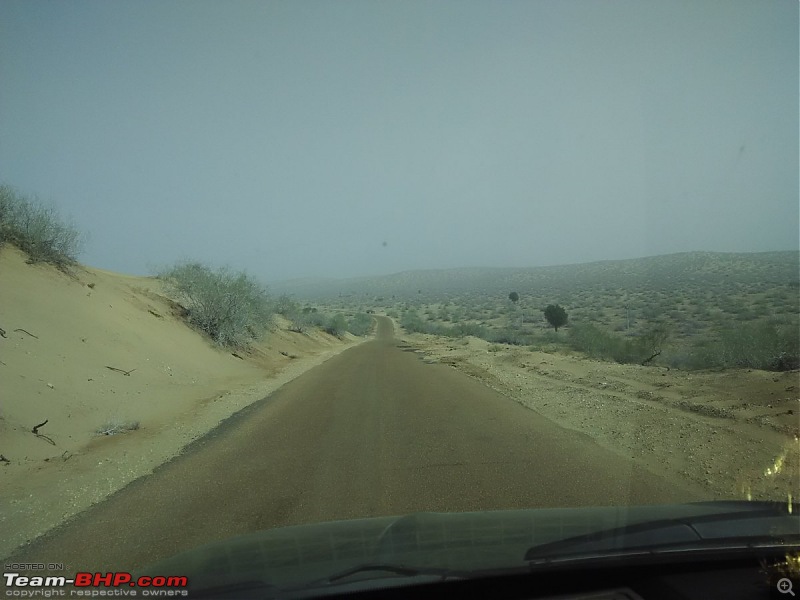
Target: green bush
[766, 345]
[8, 202]
[230, 307]
[412, 322]
[555, 315]
[360, 324]
[336, 325]
[604, 345]
[285, 306]
[510, 336]
[37, 229]
[593, 341]
[301, 319]
[465, 329]
[300, 322]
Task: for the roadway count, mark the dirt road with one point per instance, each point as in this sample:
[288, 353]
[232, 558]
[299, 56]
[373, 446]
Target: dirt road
[373, 431]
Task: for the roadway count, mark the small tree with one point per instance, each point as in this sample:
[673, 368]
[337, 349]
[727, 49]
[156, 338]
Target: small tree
[514, 297]
[555, 315]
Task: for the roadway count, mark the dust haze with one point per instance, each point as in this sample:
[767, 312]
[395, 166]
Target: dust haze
[340, 139]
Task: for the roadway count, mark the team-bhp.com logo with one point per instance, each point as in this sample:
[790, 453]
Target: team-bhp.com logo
[85, 584]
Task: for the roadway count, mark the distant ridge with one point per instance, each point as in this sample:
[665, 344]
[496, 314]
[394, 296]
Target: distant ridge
[698, 267]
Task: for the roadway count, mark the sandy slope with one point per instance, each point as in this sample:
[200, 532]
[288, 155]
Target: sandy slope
[62, 332]
[735, 434]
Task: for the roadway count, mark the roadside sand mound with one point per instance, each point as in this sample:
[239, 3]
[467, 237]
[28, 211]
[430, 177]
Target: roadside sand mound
[62, 374]
[121, 380]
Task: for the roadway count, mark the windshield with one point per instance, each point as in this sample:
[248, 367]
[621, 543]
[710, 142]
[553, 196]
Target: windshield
[269, 264]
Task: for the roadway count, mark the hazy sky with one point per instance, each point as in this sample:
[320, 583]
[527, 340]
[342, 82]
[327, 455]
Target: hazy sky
[293, 138]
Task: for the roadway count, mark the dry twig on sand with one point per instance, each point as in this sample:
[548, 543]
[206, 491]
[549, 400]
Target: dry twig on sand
[28, 332]
[123, 371]
[35, 431]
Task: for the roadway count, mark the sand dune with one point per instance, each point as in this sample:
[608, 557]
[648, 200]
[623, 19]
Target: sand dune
[94, 351]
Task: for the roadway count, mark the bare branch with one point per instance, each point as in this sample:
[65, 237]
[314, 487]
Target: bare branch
[123, 371]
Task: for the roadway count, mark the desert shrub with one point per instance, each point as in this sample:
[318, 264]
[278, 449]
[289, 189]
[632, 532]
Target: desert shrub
[690, 327]
[465, 329]
[360, 324]
[604, 345]
[301, 320]
[510, 336]
[768, 345]
[336, 325]
[651, 312]
[230, 307]
[8, 201]
[550, 345]
[286, 306]
[412, 322]
[589, 339]
[317, 319]
[37, 229]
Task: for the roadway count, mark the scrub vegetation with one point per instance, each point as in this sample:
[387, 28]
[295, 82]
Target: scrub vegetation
[38, 229]
[233, 309]
[306, 318]
[229, 306]
[694, 310]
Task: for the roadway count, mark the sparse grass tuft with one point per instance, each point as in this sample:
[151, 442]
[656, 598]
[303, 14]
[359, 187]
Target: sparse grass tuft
[114, 427]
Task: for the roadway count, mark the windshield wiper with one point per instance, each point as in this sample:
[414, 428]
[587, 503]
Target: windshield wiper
[760, 528]
[393, 569]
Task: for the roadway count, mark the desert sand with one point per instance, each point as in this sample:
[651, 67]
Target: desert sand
[734, 434]
[123, 383]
